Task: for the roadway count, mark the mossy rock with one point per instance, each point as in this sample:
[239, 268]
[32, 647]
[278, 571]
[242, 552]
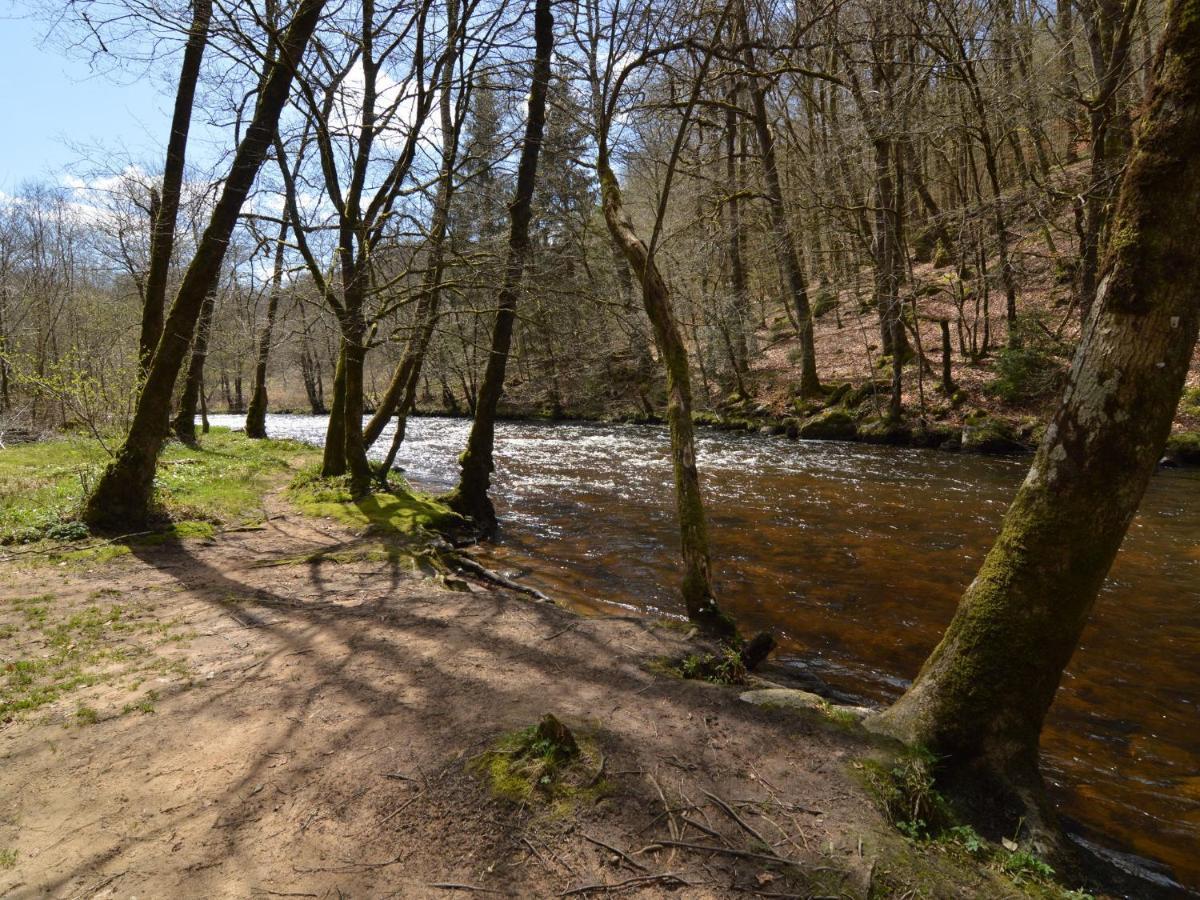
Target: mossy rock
[936, 436]
[838, 393]
[855, 397]
[829, 425]
[791, 426]
[924, 244]
[825, 302]
[884, 431]
[983, 434]
[941, 256]
[706, 418]
[1184, 448]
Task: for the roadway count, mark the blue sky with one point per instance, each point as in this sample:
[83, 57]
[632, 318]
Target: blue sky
[57, 111]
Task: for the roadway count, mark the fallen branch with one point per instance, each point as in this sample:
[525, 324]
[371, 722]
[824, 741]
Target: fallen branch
[452, 886]
[621, 853]
[628, 882]
[480, 571]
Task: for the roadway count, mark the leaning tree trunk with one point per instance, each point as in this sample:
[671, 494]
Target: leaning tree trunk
[256, 415]
[184, 425]
[470, 497]
[980, 699]
[122, 497]
[697, 592]
[166, 210]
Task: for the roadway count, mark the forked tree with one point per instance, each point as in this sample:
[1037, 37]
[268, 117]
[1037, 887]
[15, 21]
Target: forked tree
[123, 496]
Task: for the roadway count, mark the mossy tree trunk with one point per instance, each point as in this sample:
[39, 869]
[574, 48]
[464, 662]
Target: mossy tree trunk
[165, 206]
[470, 496]
[980, 699]
[333, 457]
[256, 415]
[123, 495]
[193, 385]
[697, 591]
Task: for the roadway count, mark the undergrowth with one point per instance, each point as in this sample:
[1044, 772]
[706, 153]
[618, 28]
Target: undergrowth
[397, 511]
[905, 791]
[544, 765]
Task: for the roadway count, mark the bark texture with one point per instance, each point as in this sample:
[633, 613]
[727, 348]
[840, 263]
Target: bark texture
[470, 497]
[980, 700]
[193, 386]
[122, 496]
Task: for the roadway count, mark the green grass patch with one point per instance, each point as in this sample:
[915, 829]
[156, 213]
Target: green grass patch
[43, 485]
[399, 511]
[8, 857]
[76, 649]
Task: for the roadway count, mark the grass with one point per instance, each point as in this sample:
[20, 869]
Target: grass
[399, 512]
[221, 482]
[8, 857]
[76, 649]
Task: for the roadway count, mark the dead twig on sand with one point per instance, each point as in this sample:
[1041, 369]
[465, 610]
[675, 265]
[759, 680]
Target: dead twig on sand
[732, 813]
[621, 853]
[628, 882]
[728, 851]
[453, 886]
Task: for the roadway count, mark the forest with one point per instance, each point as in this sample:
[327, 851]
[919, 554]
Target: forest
[607, 448]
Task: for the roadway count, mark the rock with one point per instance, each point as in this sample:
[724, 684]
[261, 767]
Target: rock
[829, 425]
[982, 434]
[792, 698]
[791, 427]
[881, 431]
[1183, 448]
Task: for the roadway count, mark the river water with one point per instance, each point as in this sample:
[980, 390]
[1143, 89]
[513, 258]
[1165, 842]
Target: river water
[856, 556]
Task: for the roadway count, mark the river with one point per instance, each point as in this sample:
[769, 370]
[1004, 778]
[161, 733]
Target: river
[856, 556]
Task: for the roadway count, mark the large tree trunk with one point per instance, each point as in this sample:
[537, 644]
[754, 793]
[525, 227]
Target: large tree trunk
[470, 497]
[791, 267]
[193, 385]
[979, 702]
[122, 497]
[166, 210]
[256, 415]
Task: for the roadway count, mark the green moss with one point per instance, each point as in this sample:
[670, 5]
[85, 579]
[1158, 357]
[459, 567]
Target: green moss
[544, 765]
[831, 424]
[1184, 447]
[398, 511]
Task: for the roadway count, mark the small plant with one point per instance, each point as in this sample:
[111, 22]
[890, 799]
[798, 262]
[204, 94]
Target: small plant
[85, 715]
[8, 857]
[968, 839]
[1023, 866]
[906, 794]
[725, 667]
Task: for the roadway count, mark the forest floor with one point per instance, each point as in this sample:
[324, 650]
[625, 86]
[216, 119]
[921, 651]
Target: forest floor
[289, 705]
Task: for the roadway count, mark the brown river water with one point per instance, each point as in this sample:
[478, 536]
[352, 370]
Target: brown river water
[855, 556]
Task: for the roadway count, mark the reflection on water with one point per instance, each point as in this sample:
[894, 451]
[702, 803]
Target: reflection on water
[856, 556]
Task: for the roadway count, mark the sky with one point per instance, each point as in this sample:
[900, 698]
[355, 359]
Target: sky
[57, 111]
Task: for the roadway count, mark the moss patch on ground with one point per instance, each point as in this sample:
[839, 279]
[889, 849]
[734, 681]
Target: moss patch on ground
[221, 481]
[545, 765]
[397, 512]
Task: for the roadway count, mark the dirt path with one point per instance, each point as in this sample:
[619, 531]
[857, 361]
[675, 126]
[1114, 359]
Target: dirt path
[277, 724]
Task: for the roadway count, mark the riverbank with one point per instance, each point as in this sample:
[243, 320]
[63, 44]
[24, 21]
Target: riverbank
[298, 700]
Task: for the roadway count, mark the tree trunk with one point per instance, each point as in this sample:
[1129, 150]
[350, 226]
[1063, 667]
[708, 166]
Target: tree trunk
[256, 415]
[791, 267]
[122, 497]
[979, 701]
[333, 458]
[166, 210]
[470, 497]
[193, 386]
